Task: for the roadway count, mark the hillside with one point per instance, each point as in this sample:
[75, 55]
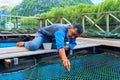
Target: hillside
[84, 8]
[5, 9]
[32, 7]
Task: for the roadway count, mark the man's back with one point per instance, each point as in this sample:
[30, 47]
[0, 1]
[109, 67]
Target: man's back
[50, 30]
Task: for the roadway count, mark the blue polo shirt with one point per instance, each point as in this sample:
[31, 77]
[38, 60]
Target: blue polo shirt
[59, 32]
[60, 37]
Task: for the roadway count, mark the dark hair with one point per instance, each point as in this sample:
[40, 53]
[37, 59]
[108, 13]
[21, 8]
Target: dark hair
[79, 27]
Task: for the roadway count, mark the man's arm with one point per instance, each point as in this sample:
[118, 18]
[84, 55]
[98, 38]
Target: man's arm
[64, 59]
[59, 36]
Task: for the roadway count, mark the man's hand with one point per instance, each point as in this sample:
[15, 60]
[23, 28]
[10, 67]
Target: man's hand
[67, 47]
[66, 64]
[65, 61]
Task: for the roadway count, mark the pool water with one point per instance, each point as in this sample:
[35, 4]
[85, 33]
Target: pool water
[103, 66]
[4, 44]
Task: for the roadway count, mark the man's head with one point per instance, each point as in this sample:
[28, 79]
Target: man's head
[75, 30]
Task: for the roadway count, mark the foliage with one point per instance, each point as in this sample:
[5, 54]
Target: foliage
[86, 8]
[66, 9]
[32, 7]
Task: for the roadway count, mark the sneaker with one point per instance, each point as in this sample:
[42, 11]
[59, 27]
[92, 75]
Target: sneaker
[20, 44]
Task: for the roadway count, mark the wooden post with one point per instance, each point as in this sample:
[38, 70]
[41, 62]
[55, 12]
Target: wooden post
[45, 22]
[40, 24]
[107, 22]
[61, 20]
[83, 22]
[16, 22]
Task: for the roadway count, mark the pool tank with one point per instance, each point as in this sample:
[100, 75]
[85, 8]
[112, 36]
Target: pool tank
[104, 66]
[4, 44]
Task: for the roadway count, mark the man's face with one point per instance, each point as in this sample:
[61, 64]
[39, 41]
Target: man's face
[72, 32]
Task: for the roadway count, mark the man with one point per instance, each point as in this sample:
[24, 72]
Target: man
[60, 32]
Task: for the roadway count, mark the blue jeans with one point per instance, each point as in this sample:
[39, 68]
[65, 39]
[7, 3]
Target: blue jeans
[37, 42]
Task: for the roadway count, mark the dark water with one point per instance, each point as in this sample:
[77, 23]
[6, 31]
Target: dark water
[89, 67]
